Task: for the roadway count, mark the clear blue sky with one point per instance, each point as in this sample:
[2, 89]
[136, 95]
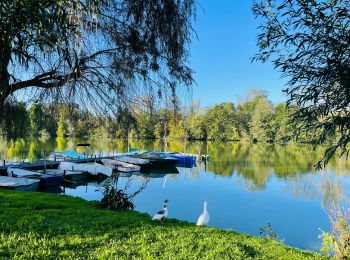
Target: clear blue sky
[221, 56]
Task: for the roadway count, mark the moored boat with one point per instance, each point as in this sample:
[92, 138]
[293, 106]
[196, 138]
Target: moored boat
[67, 174]
[157, 160]
[18, 183]
[132, 160]
[92, 168]
[185, 160]
[46, 180]
[120, 165]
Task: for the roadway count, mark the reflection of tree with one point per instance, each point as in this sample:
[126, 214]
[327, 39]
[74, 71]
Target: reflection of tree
[34, 152]
[257, 162]
[332, 190]
[327, 187]
[61, 143]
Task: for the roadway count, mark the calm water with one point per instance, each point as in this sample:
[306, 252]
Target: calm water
[246, 185]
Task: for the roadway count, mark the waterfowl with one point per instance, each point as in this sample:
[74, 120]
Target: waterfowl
[203, 219]
[162, 214]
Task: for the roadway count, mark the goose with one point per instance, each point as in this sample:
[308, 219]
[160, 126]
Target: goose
[162, 214]
[203, 219]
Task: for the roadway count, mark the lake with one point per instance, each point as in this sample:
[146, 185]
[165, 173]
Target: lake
[246, 185]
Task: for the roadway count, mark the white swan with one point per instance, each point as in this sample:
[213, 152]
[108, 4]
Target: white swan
[162, 214]
[203, 219]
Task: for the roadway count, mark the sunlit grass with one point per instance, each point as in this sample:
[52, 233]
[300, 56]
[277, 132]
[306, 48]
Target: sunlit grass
[39, 225]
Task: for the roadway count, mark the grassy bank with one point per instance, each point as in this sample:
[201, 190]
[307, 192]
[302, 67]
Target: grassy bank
[40, 225]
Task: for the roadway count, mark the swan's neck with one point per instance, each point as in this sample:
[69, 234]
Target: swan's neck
[205, 207]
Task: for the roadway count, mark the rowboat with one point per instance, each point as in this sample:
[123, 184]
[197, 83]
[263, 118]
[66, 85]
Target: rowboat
[46, 180]
[120, 165]
[132, 160]
[18, 183]
[92, 168]
[67, 174]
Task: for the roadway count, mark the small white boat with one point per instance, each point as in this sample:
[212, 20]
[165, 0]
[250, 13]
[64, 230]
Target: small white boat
[67, 174]
[92, 168]
[132, 160]
[21, 173]
[120, 165]
[47, 178]
[18, 183]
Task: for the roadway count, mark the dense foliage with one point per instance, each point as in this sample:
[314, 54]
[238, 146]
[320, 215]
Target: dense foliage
[308, 41]
[254, 119]
[101, 54]
[39, 225]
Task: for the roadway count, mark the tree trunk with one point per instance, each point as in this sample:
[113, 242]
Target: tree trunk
[5, 56]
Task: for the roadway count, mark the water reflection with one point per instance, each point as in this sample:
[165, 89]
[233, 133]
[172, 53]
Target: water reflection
[246, 185]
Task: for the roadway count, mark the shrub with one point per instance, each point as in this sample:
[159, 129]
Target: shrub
[116, 199]
[338, 240]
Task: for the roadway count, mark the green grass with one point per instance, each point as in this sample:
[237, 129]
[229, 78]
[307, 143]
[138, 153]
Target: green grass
[39, 225]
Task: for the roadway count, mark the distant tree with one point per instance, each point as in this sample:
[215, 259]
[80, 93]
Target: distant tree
[261, 121]
[220, 122]
[195, 125]
[101, 53]
[308, 41]
[163, 118]
[177, 129]
[36, 119]
[145, 125]
[245, 111]
[281, 123]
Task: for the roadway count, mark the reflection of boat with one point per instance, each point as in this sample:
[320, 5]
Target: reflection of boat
[18, 183]
[92, 168]
[157, 160]
[54, 190]
[45, 179]
[167, 170]
[121, 166]
[153, 175]
[186, 165]
[75, 184]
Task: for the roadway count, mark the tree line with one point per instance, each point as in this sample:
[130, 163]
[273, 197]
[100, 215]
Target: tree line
[254, 118]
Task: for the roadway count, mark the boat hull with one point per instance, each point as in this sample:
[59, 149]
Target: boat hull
[23, 184]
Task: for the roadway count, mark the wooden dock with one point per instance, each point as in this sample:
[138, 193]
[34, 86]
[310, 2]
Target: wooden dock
[40, 165]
